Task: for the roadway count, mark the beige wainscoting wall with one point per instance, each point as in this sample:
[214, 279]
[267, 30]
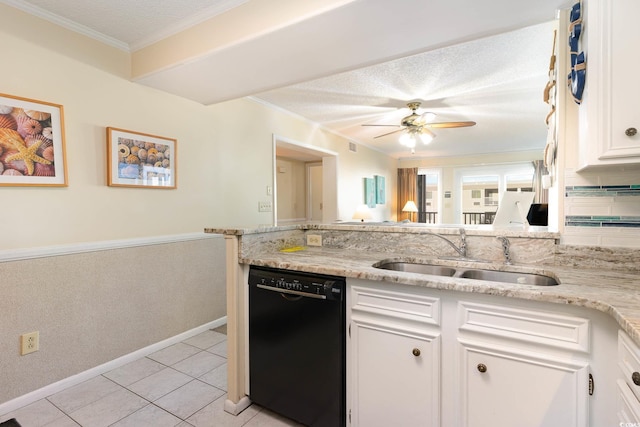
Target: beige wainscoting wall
[91, 307]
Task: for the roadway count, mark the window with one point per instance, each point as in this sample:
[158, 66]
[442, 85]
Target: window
[480, 189]
[473, 187]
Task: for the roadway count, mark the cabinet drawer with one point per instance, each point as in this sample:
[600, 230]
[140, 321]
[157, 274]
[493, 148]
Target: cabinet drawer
[550, 329]
[629, 362]
[402, 305]
[628, 405]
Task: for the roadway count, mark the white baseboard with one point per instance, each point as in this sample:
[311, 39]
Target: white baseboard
[58, 386]
[235, 408]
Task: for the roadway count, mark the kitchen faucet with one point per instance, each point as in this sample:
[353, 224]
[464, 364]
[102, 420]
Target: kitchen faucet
[462, 250]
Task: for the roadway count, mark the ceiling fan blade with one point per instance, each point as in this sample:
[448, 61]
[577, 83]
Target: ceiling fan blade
[388, 133]
[450, 125]
[381, 125]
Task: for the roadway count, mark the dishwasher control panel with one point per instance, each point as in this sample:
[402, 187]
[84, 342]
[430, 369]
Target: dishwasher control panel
[296, 282]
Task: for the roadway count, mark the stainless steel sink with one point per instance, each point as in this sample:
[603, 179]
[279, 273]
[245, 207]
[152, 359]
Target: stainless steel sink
[469, 273]
[509, 277]
[437, 270]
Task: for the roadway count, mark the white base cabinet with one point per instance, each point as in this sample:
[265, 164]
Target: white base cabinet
[414, 376]
[520, 366]
[423, 357]
[393, 359]
[505, 388]
[628, 382]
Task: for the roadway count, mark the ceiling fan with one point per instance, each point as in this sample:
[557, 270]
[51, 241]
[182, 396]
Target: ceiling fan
[417, 127]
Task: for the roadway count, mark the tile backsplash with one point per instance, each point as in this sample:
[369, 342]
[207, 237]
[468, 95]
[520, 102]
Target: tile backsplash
[601, 221]
[602, 209]
[602, 190]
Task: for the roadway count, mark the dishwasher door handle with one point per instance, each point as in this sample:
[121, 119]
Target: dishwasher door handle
[291, 292]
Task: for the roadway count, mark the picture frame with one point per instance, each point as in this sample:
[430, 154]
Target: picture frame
[32, 144]
[142, 160]
[370, 192]
[380, 189]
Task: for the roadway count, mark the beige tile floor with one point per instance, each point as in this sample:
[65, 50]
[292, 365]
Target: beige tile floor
[181, 385]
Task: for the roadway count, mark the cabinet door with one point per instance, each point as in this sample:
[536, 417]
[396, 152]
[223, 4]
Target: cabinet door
[612, 88]
[625, 88]
[500, 388]
[394, 377]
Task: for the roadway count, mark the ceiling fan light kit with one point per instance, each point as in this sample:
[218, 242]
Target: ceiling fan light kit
[416, 127]
[409, 139]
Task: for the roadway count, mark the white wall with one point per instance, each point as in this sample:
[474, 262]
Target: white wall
[88, 210]
[223, 151]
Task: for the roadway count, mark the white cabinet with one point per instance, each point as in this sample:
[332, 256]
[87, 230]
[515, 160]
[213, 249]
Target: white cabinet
[393, 366]
[628, 381]
[609, 113]
[522, 367]
[505, 389]
[396, 380]
[423, 357]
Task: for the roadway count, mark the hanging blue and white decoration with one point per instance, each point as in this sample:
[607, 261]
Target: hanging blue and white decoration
[578, 64]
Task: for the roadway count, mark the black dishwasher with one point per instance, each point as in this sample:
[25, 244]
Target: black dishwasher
[297, 345]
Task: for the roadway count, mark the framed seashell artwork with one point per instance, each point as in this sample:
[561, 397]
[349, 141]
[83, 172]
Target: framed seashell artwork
[137, 159]
[32, 150]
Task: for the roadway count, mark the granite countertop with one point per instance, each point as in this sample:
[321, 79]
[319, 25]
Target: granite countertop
[612, 292]
[397, 227]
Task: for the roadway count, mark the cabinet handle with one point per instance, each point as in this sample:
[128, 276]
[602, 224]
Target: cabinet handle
[482, 367]
[631, 131]
[635, 377]
[416, 352]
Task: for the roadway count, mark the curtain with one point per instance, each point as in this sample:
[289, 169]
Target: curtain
[407, 179]
[542, 194]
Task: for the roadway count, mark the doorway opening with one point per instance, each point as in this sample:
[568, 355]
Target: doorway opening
[305, 183]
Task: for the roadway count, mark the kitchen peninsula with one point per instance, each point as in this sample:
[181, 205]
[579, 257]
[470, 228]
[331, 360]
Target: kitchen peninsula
[574, 324]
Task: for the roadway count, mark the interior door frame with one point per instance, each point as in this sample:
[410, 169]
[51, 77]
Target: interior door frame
[329, 161]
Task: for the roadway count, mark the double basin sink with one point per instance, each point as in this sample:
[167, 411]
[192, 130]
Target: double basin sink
[469, 273]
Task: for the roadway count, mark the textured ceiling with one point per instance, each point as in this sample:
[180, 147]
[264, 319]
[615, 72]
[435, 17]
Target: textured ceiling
[495, 81]
[464, 60]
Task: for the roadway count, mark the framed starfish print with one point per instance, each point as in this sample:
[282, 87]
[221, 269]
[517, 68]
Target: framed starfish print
[32, 148]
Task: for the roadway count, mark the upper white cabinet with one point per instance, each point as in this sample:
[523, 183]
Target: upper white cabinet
[609, 116]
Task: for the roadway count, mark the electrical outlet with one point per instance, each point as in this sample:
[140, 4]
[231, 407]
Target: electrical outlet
[29, 343]
[314, 240]
[264, 206]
